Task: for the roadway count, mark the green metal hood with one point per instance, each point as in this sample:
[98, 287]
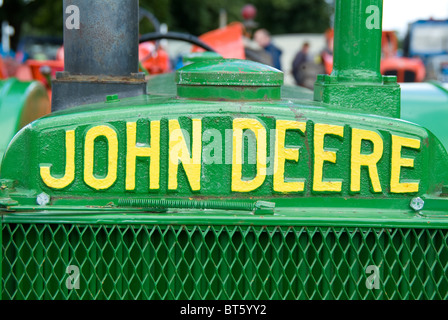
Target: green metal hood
[164, 155]
[427, 105]
[222, 139]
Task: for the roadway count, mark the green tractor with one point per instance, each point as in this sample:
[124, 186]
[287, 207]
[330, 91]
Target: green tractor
[218, 182]
[20, 104]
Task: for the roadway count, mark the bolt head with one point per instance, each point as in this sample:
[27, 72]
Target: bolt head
[112, 98]
[417, 203]
[43, 199]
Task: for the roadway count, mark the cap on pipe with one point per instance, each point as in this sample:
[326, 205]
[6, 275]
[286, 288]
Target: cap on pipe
[229, 79]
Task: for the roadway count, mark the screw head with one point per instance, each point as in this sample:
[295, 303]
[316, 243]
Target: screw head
[43, 199]
[417, 203]
[112, 98]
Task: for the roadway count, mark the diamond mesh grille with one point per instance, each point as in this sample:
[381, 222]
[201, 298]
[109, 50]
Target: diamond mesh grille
[221, 262]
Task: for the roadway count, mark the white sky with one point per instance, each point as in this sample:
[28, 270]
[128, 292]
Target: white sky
[398, 13]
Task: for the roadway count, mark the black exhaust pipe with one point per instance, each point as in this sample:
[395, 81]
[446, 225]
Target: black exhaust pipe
[101, 53]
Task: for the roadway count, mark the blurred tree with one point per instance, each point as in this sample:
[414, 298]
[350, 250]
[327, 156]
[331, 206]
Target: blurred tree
[15, 12]
[39, 17]
[47, 17]
[196, 16]
[293, 16]
[278, 16]
[160, 9]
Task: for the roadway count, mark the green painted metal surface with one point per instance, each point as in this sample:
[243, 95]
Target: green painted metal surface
[20, 103]
[48, 135]
[222, 184]
[229, 79]
[427, 105]
[312, 244]
[200, 56]
[358, 41]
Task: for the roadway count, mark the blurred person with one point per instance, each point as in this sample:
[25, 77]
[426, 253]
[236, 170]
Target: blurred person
[298, 65]
[263, 38]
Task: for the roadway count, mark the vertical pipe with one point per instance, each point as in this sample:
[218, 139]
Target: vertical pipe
[101, 37]
[357, 40]
[101, 53]
[356, 83]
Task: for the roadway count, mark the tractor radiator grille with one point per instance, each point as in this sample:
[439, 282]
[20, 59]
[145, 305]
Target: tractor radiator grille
[42, 261]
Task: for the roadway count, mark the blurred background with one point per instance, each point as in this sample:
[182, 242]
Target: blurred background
[292, 35]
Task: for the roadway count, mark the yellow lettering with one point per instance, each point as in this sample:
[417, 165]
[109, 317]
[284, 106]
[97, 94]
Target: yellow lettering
[282, 154]
[69, 176]
[238, 184]
[397, 162]
[320, 131]
[133, 151]
[370, 160]
[178, 151]
[89, 148]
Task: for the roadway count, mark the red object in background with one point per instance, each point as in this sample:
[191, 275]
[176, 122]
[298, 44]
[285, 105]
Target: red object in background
[24, 73]
[249, 12]
[35, 65]
[11, 68]
[389, 44]
[3, 73]
[60, 54]
[327, 59]
[154, 61]
[227, 41]
[406, 69]
[327, 53]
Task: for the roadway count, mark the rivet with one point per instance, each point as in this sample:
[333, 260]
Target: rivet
[417, 203]
[112, 98]
[43, 199]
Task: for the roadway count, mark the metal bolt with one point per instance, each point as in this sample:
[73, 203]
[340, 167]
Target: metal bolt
[139, 75]
[112, 98]
[417, 203]
[390, 79]
[43, 199]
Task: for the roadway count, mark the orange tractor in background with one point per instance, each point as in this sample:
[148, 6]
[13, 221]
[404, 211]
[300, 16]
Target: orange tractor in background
[405, 69]
[227, 41]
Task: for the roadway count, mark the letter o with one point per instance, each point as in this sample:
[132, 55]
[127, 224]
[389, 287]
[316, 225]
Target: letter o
[89, 151]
